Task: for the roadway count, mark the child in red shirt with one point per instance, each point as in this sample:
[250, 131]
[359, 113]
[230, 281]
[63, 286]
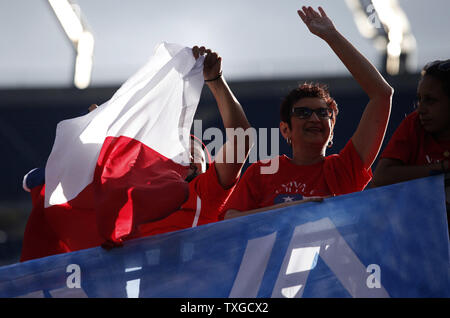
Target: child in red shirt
[421, 144]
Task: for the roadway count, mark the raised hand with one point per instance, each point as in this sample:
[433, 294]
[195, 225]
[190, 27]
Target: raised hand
[212, 66]
[317, 23]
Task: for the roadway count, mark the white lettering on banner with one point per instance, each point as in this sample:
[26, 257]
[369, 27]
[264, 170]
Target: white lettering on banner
[374, 279]
[253, 266]
[71, 290]
[309, 242]
[74, 279]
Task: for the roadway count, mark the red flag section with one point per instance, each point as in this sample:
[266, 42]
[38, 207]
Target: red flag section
[133, 184]
[145, 185]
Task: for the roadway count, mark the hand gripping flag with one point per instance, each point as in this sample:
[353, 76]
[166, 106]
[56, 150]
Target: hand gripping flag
[124, 163]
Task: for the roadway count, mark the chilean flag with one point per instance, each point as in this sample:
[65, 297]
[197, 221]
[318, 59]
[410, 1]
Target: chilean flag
[124, 163]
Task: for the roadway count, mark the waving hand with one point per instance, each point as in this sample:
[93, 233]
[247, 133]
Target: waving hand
[317, 23]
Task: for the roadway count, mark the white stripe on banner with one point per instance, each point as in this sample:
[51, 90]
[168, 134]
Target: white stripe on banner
[321, 239]
[132, 287]
[253, 266]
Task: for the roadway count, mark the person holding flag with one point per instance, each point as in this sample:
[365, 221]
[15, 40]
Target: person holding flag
[120, 171]
[209, 189]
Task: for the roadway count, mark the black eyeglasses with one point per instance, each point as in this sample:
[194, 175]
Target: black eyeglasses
[306, 112]
[441, 65]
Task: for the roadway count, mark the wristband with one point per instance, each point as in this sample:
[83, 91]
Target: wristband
[216, 78]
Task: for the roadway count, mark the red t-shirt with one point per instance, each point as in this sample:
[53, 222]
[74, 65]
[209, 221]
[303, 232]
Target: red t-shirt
[338, 174]
[205, 203]
[40, 239]
[411, 144]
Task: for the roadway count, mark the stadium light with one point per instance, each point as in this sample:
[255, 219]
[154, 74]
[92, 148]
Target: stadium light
[83, 63]
[364, 23]
[70, 18]
[385, 22]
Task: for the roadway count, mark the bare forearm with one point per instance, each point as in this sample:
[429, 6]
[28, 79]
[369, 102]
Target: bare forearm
[372, 126]
[385, 175]
[231, 214]
[367, 76]
[233, 116]
[231, 157]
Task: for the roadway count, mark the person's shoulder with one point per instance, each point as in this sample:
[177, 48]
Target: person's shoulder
[412, 115]
[269, 162]
[411, 119]
[349, 149]
[410, 125]
[265, 166]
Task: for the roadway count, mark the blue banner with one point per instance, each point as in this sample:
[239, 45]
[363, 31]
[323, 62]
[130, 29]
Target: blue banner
[385, 242]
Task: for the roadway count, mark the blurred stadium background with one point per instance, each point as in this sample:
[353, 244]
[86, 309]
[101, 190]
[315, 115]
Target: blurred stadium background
[48, 74]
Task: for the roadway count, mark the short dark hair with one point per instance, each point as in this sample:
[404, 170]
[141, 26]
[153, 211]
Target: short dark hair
[440, 70]
[304, 90]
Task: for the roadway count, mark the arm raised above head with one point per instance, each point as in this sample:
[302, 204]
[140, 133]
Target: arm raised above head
[232, 114]
[369, 135]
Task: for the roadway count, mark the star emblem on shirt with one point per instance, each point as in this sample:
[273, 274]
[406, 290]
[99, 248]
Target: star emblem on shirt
[288, 199]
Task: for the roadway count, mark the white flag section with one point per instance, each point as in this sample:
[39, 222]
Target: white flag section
[158, 101]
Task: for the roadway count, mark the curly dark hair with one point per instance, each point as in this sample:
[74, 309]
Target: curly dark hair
[440, 70]
[306, 90]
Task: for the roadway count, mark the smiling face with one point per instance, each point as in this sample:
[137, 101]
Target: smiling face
[309, 133]
[433, 106]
